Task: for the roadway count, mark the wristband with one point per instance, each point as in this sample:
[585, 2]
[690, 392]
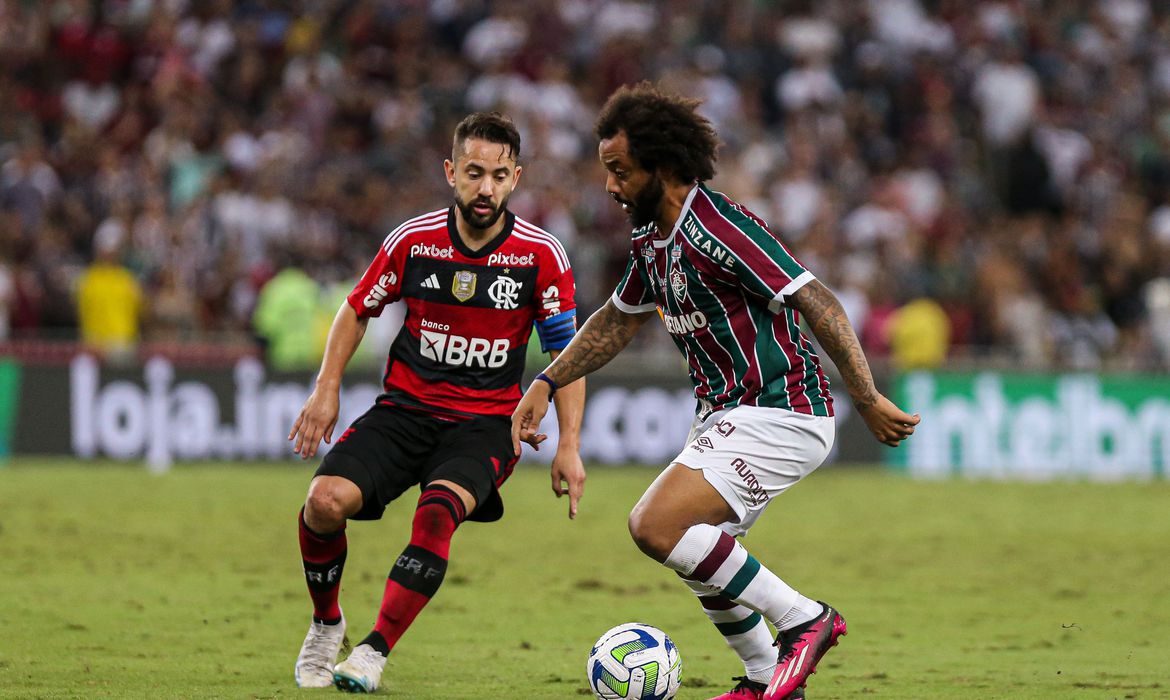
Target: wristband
[552, 386]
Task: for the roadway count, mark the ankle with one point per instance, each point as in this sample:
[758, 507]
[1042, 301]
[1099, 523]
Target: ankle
[377, 641]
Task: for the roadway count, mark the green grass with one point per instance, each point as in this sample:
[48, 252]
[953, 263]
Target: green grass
[115, 583]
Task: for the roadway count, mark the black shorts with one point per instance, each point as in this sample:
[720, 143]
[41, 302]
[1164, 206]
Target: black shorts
[390, 449]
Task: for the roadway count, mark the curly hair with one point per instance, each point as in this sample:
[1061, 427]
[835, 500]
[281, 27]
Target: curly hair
[492, 127]
[664, 131]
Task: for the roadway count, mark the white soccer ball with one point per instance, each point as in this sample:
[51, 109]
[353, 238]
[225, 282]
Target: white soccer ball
[634, 662]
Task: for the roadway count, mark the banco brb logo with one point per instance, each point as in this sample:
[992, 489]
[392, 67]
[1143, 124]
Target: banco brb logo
[452, 349]
[504, 292]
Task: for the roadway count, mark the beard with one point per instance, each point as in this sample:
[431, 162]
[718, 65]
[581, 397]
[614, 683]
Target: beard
[644, 209]
[480, 221]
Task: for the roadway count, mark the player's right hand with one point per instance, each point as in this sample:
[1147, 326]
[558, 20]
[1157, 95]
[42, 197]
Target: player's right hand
[317, 419]
[527, 416]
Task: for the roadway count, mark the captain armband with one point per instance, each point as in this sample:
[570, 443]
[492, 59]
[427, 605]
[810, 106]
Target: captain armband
[556, 331]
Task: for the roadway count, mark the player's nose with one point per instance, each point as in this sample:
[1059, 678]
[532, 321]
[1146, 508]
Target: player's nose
[611, 185]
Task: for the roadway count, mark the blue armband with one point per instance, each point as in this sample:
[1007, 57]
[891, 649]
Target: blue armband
[556, 331]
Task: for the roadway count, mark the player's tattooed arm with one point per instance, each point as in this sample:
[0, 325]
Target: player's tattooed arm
[603, 336]
[830, 325]
[826, 317]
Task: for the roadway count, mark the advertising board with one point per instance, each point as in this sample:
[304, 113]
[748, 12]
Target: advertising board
[160, 413]
[1036, 425]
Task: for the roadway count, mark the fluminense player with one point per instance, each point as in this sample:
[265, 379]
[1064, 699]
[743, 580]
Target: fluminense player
[729, 293]
[475, 278]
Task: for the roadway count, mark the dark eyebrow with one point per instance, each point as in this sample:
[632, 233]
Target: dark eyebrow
[476, 166]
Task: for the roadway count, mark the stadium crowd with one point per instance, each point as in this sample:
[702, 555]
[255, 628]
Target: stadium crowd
[984, 179]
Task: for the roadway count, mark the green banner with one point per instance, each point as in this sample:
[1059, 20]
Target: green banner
[1036, 426]
[9, 393]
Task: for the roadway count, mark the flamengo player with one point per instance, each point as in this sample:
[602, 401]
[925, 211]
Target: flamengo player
[475, 278]
[729, 293]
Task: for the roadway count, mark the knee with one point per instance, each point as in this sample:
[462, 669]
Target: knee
[434, 521]
[652, 538]
[326, 508]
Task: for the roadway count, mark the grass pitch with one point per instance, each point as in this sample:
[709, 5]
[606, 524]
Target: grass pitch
[116, 583]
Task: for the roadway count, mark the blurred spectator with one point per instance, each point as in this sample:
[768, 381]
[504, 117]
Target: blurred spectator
[109, 298]
[29, 186]
[286, 319]
[1007, 160]
[1008, 94]
[920, 335]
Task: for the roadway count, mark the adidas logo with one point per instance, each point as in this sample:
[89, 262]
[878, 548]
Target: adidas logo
[431, 282]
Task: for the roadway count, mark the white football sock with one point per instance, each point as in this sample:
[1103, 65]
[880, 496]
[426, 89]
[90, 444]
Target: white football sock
[728, 567]
[742, 628]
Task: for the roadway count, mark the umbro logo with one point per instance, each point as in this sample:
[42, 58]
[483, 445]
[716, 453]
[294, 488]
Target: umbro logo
[431, 282]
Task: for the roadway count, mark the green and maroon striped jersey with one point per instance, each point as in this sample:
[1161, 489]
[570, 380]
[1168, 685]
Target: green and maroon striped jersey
[721, 281]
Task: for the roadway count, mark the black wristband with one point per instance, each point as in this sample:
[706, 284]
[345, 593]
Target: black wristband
[552, 386]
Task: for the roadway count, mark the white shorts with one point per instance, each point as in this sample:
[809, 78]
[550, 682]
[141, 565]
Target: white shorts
[752, 454]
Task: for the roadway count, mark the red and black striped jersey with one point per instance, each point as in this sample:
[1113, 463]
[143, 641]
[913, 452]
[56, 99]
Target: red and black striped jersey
[469, 314]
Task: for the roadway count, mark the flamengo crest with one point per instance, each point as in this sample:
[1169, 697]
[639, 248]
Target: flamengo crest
[504, 292]
[463, 286]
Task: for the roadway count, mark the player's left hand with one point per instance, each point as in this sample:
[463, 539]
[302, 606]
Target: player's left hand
[888, 423]
[527, 416]
[568, 477]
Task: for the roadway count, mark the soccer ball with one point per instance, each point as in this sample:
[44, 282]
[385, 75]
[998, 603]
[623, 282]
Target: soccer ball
[634, 662]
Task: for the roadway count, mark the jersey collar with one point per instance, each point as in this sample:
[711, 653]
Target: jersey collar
[495, 243]
[686, 207]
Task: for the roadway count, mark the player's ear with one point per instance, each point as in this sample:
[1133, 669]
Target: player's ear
[516, 176]
[449, 171]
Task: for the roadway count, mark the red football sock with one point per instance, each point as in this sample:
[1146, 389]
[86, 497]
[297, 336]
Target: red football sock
[324, 560]
[416, 575]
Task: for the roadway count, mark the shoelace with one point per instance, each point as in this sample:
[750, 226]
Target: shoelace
[365, 660]
[746, 683]
[316, 654]
[787, 640]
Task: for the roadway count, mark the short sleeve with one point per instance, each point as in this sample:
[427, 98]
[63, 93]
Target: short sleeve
[766, 268]
[763, 265]
[380, 285]
[633, 295]
[555, 289]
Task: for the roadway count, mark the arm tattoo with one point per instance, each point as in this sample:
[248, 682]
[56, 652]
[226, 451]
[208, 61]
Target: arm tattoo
[601, 338]
[829, 324]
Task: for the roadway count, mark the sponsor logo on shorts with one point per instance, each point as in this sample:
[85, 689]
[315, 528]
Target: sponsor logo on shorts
[724, 428]
[756, 493]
